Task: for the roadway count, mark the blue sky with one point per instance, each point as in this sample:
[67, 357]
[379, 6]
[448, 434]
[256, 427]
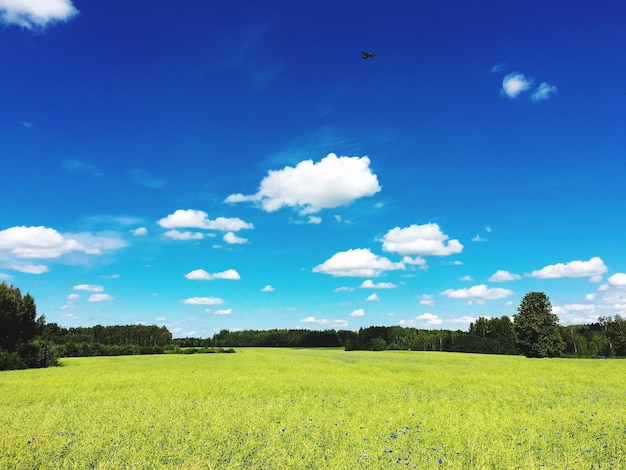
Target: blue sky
[209, 165]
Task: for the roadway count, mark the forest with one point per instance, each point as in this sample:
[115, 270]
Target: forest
[28, 341]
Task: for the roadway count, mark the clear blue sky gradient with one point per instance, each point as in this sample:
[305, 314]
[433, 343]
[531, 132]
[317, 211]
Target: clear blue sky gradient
[209, 165]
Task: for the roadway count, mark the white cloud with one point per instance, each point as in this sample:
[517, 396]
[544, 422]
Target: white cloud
[358, 313]
[466, 278]
[31, 14]
[139, 232]
[429, 319]
[369, 284]
[504, 276]
[576, 314]
[514, 84]
[233, 239]
[360, 262]
[89, 287]
[344, 289]
[372, 298]
[267, 288]
[543, 92]
[310, 187]
[227, 311]
[202, 275]
[425, 240]
[99, 298]
[617, 279]
[466, 319]
[593, 267]
[36, 242]
[478, 238]
[30, 268]
[203, 301]
[427, 299]
[312, 319]
[190, 218]
[313, 219]
[186, 235]
[481, 292]
[73, 297]
[325, 321]
[417, 261]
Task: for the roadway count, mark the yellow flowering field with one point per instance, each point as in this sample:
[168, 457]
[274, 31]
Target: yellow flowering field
[315, 409]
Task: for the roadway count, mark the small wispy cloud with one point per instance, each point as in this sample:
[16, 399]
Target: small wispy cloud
[146, 180]
[545, 91]
[81, 167]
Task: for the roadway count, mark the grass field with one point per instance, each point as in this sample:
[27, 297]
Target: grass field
[315, 409]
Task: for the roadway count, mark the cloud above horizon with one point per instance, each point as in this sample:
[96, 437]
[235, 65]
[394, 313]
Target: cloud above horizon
[191, 218]
[202, 275]
[312, 186]
[39, 242]
[480, 292]
[424, 240]
[359, 262]
[593, 268]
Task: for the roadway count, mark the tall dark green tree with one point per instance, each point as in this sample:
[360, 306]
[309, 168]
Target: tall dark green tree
[18, 318]
[537, 328]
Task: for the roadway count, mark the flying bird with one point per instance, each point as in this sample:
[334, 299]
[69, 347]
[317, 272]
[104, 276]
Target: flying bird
[367, 55]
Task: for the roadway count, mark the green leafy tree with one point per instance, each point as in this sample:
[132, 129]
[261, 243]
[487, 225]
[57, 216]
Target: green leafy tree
[18, 322]
[537, 328]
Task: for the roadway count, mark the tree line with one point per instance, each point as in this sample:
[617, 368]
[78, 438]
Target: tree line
[26, 340]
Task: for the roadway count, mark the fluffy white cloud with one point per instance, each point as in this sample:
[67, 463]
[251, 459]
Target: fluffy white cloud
[203, 301]
[31, 14]
[427, 299]
[139, 232]
[372, 298]
[186, 235]
[190, 218]
[576, 314]
[310, 187]
[202, 275]
[514, 84]
[358, 313]
[504, 276]
[417, 261]
[425, 240]
[360, 262]
[89, 287]
[267, 288]
[429, 319]
[233, 239]
[100, 298]
[543, 92]
[617, 279]
[38, 242]
[481, 292]
[369, 284]
[593, 267]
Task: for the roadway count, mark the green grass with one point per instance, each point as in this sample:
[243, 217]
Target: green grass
[315, 409]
